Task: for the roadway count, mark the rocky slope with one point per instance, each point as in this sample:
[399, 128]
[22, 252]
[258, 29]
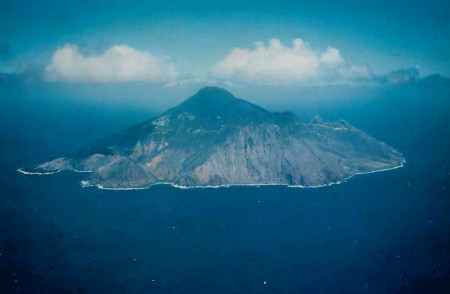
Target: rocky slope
[214, 139]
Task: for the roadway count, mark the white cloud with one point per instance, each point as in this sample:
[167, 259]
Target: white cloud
[187, 81]
[332, 58]
[274, 62]
[120, 63]
[278, 64]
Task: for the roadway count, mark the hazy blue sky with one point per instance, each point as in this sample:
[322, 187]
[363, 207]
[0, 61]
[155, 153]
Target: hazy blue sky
[185, 40]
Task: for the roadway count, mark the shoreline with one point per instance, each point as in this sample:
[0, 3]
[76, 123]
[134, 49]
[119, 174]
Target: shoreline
[86, 184]
[37, 173]
[51, 173]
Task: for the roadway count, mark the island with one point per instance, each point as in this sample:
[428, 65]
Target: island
[214, 139]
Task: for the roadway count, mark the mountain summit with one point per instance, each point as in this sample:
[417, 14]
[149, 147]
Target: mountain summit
[216, 139]
[213, 102]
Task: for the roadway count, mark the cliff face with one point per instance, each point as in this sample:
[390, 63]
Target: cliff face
[216, 139]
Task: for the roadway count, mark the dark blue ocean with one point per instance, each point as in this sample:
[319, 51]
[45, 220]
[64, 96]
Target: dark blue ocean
[386, 232]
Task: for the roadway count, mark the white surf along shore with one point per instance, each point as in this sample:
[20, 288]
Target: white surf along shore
[86, 184]
[51, 173]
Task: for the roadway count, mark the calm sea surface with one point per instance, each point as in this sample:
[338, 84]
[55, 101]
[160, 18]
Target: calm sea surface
[379, 233]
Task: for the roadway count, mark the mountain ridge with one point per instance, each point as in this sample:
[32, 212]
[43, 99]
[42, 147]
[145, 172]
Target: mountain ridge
[216, 139]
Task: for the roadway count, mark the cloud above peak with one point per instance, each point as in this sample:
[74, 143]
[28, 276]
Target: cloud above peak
[279, 64]
[119, 63]
[271, 64]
